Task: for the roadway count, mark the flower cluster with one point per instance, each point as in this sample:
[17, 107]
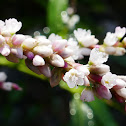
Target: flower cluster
[40, 53]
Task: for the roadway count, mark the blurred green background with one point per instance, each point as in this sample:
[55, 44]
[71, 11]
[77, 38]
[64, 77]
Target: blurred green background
[39, 104]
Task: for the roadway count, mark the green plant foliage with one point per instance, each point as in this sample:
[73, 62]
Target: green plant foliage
[54, 9]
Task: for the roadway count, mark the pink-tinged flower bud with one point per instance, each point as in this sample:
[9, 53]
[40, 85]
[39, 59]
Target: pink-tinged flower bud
[83, 69]
[120, 51]
[38, 61]
[7, 86]
[30, 55]
[12, 58]
[45, 70]
[119, 84]
[16, 87]
[95, 78]
[2, 39]
[18, 39]
[87, 95]
[42, 41]
[66, 53]
[86, 81]
[57, 60]
[45, 51]
[32, 67]
[59, 45]
[99, 69]
[29, 43]
[56, 77]
[104, 92]
[121, 92]
[3, 76]
[5, 50]
[110, 50]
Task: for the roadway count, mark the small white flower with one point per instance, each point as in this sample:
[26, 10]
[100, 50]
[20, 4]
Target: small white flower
[11, 26]
[74, 78]
[110, 39]
[87, 95]
[97, 57]
[85, 38]
[120, 32]
[54, 37]
[109, 80]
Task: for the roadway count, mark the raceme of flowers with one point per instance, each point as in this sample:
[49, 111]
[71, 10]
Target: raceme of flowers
[40, 53]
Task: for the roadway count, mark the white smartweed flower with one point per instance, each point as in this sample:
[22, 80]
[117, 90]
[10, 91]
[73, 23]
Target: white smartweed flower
[97, 57]
[85, 38]
[110, 39]
[120, 32]
[54, 37]
[11, 26]
[74, 78]
[109, 80]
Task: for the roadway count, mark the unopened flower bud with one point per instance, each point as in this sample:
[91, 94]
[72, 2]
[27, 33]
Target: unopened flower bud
[120, 51]
[38, 61]
[110, 50]
[99, 69]
[30, 55]
[57, 60]
[119, 84]
[29, 43]
[104, 92]
[18, 39]
[59, 45]
[45, 70]
[121, 92]
[45, 51]
[42, 41]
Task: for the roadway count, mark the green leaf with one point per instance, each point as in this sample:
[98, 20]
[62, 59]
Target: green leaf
[54, 9]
